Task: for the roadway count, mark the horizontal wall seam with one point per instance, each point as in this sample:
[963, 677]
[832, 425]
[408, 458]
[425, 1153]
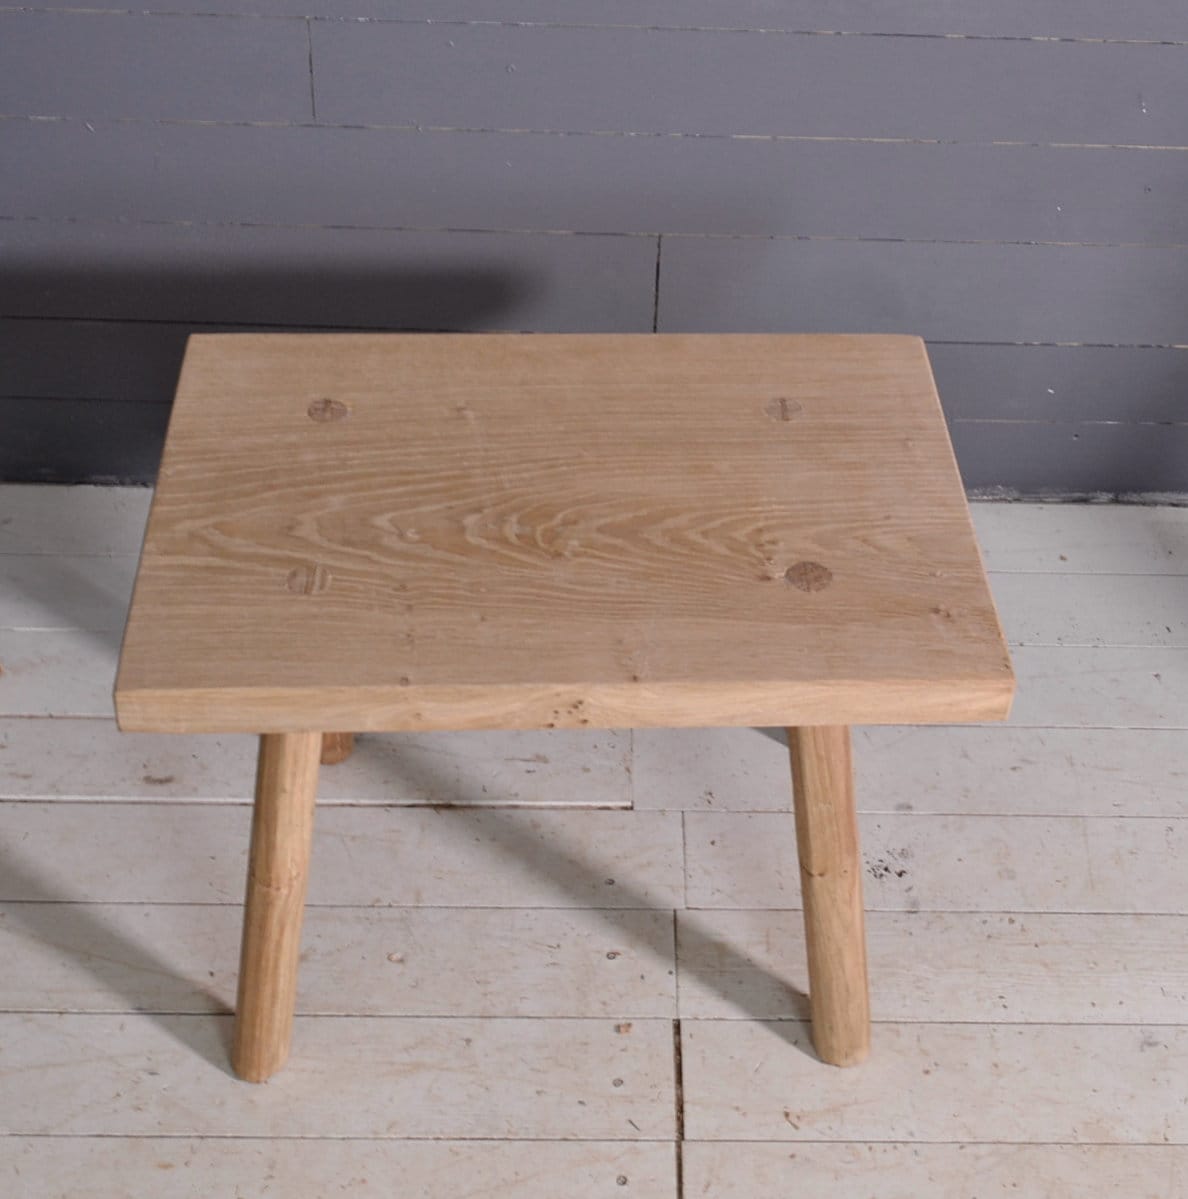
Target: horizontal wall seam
[513, 131]
[183, 223]
[264, 325]
[458, 22]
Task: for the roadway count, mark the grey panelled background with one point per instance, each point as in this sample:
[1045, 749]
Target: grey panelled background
[1017, 193]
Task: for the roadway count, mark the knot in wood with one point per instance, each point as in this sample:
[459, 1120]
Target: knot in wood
[782, 408]
[326, 410]
[808, 576]
[308, 580]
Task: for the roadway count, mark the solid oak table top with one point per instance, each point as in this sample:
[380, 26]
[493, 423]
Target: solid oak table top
[424, 531]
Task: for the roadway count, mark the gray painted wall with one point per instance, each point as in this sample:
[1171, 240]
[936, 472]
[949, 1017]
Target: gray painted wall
[1017, 194]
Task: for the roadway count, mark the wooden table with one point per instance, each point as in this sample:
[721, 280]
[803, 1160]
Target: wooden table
[411, 532]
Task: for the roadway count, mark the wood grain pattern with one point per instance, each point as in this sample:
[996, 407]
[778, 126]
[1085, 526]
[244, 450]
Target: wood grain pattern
[337, 747]
[278, 873]
[92, 592]
[560, 531]
[831, 887]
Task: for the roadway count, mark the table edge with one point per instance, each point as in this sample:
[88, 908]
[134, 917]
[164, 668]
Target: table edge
[397, 708]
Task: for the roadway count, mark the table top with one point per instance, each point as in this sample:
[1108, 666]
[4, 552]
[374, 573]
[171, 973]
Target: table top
[430, 531]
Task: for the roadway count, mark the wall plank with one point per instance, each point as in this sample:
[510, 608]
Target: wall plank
[67, 441]
[139, 65]
[1013, 293]
[106, 170]
[1005, 18]
[185, 180]
[345, 278]
[1140, 20]
[1039, 459]
[132, 361]
[1061, 383]
[493, 77]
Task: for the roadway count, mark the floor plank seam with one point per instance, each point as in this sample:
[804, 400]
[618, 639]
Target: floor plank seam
[535, 907]
[679, 1097]
[1169, 1145]
[902, 1022]
[392, 1139]
[904, 911]
[376, 804]
[684, 863]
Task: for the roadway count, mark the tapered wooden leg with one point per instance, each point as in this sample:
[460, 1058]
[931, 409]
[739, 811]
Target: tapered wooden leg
[282, 827]
[831, 882]
[337, 747]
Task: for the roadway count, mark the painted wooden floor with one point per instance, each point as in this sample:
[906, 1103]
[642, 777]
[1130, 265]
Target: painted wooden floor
[516, 985]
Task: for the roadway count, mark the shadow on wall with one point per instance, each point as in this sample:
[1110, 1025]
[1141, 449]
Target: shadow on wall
[87, 400]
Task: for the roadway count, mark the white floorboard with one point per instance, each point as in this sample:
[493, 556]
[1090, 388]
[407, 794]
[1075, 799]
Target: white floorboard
[494, 1078]
[362, 856]
[955, 770]
[1093, 610]
[952, 863]
[57, 1167]
[47, 519]
[1097, 539]
[1106, 687]
[52, 591]
[81, 759]
[493, 939]
[1020, 1083]
[182, 958]
[729, 1170]
[957, 967]
[57, 672]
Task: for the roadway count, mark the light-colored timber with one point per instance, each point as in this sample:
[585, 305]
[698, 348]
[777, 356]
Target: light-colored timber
[386, 531]
[831, 884]
[278, 871]
[418, 532]
[337, 747]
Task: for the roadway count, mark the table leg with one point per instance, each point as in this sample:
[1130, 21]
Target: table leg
[282, 828]
[337, 747]
[831, 883]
